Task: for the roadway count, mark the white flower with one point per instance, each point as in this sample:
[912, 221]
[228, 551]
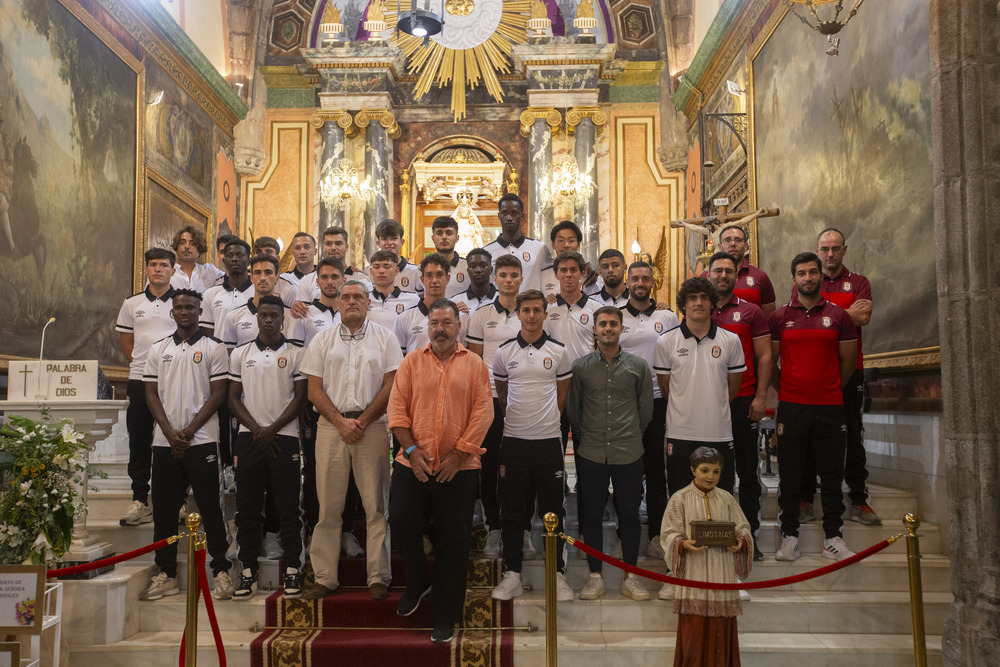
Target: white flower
[25, 487]
[69, 434]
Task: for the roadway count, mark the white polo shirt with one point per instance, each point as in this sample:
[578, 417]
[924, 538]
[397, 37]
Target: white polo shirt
[640, 331]
[572, 324]
[472, 301]
[148, 319]
[411, 328]
[407, 279]
[217, 301]
[605, 299]
[491, 326]
[698, 404]
[352, 365]
[550, 284]
[532, 371]
[301, 330]
[534, 255]
[240, 325]
[202, 277]
[184, 372]
[458, 277]
[268, 376]
[295, 276]
[308, 290]
[386, 308]
[286, 291]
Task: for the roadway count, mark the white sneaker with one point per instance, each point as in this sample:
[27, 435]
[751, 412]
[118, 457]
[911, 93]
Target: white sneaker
[494, 545]
[643, 514]
[229, 479]
[528, 550]
[655, 549]
[137, 513]
[350, 547]
[666, 592]
[563, 592]
[509, 587]
[632, 588]
[834, 548]
[744, 595]
[223, 588]
[477, 513]
[789, 550]
[160, 586]
[272, 546]
[594, 588]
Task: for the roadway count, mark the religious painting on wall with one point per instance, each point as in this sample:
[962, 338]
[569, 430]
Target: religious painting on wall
[69, 200]
[845, 142]
[178, 132]
[170, 210]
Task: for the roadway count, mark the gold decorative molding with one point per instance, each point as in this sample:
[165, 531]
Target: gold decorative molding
[924, 356]
[384, 117]
[338, 116]
[531, 114]
[172, 63]
[594, 113]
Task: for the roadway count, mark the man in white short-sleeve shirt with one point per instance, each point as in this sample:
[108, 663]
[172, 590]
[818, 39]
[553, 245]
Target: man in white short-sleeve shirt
[699, 367]
[323, 312]
[532, 374]
[240, 324]
[185, 376]
[304, 254]
[411, 325]
[387, 301]
[350, 368]
[481, 289]
[235, 290]
[534, 254]
[189, 244]
[144, 318]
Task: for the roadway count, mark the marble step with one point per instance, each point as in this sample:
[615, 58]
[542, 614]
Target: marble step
[649, 649]
[161, 649]
[167, 614]
[886, 571]
[790, 611]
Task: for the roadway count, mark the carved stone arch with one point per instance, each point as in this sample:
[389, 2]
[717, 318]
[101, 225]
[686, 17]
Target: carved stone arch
[462, 141]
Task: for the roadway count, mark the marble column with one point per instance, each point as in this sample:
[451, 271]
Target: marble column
[585, 152]
[964, 108]
[378, 168]
[333, 150]
[540, 154]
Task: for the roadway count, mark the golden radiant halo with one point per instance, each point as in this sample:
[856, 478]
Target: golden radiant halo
[459, 7]
[465, 67]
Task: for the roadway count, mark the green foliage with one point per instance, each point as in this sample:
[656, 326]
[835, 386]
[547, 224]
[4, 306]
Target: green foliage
[40, 474]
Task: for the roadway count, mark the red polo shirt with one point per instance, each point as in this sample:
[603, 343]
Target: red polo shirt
[748, 322]
[844, 290]
[810, 351]
[752, 284]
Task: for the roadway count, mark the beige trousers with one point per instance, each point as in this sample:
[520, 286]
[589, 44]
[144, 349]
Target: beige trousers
[335, 459]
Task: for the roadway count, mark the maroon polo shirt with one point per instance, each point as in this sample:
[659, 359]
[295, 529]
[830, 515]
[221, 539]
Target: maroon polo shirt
[810, 351]
[844, 290]
[748, 322]
[752, 284]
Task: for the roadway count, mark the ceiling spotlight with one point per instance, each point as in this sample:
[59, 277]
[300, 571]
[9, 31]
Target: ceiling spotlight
[420, 22]
[419, 30]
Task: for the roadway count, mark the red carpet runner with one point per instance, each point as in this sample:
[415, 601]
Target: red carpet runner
[378, 635]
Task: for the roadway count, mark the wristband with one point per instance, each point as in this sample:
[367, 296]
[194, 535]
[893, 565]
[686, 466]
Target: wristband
[408, 451]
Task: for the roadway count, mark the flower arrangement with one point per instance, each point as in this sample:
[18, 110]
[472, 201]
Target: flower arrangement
[41, 466]
[26, 612]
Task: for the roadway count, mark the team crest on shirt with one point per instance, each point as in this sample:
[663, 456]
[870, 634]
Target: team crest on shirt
[847, 286]
[658, 327]
[736, 316]
[547, 363]
[503, 471]
[404, 281]
[282, 362]
[716, 351]
[826, 321]
[750, 281]
[584, 318]
[781, 429]
[526, 256]
[400, 308]
[197, 357]
[461, 277]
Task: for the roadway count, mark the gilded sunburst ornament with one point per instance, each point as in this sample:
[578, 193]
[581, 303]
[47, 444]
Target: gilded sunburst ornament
[459, 7]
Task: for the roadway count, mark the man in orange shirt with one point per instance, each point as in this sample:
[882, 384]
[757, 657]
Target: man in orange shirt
[440, 409]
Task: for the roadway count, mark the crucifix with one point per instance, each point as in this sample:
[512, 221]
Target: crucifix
[711, 226]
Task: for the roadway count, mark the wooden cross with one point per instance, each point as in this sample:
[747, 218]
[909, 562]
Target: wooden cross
[711, 225]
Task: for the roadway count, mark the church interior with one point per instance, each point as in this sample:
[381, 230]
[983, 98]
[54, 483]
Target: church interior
[651, 124]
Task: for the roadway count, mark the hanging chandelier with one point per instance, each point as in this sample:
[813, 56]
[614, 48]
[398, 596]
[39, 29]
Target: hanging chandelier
[341, 186]
[564, 181]
[830, 25]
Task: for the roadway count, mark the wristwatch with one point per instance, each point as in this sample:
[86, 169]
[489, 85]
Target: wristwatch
[408, 451]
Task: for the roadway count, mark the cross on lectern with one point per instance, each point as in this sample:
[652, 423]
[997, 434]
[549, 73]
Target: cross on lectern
[24, 371]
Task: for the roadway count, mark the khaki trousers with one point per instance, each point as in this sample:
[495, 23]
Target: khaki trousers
[335, 459]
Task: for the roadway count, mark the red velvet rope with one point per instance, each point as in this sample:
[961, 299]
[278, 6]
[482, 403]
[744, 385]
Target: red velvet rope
[770, 583]
[220, 649]
[111, 560]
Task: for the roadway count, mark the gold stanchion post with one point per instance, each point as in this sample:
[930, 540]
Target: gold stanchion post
[912, 522]
[191, 622]
[551, 640]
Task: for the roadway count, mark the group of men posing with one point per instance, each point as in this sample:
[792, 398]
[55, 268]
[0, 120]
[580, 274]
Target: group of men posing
[473, 371]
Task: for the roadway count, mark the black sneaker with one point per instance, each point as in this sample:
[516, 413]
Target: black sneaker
[443, 634]
[293, 583]
[757, 555]
[408, 604]
[247, 587]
